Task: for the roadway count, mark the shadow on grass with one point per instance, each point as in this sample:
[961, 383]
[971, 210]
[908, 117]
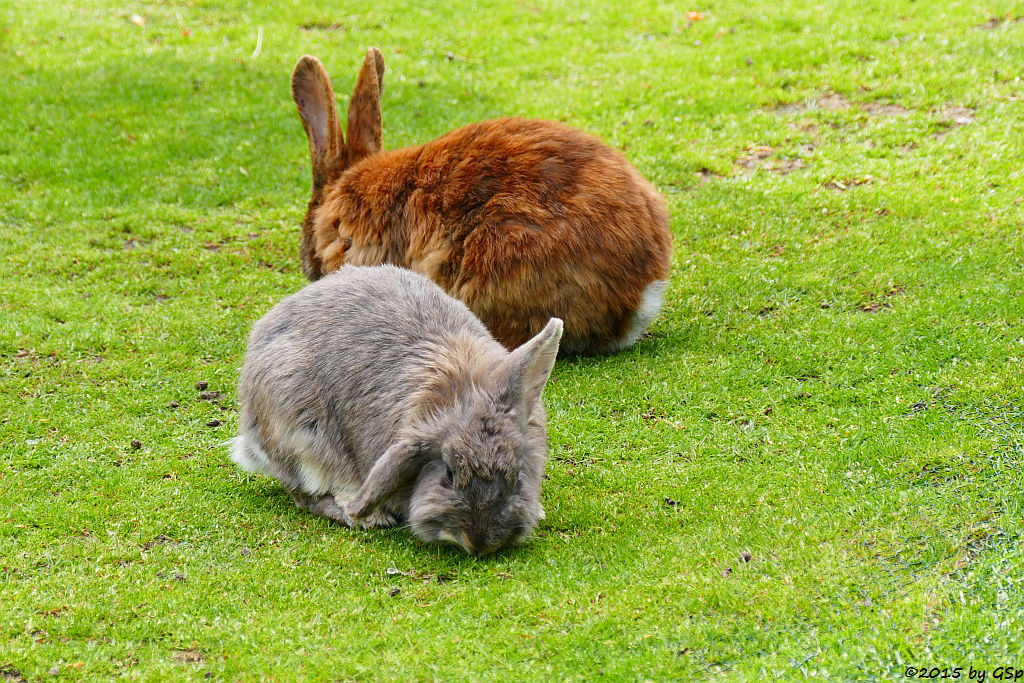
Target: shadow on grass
[262, 496]
[653, 345]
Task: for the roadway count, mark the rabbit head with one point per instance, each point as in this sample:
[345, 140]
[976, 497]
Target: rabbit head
[314, 97]
[474, 457]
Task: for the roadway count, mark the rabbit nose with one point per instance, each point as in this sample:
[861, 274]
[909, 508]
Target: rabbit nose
[467, 543]
[477, 544]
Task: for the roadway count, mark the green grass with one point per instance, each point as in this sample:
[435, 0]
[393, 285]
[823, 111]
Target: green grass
[834, 387]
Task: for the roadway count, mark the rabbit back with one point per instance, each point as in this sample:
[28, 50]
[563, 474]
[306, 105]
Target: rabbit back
[523, 220]
[330, 373]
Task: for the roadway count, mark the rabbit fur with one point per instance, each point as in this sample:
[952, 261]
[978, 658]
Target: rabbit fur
[523, 220]
[377, 399]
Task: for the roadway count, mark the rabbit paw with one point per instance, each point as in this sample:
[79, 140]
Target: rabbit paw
[325, 506]
[378, 519]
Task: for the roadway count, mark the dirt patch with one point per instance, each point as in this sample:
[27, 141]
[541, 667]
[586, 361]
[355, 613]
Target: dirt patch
[830, 102]
[277, 267]
[31, 357]
[951, 118]
[805, 127]
[324, 26]
[158, 540]
[704, 175]
[833, 102]
[845, 184]
[420, 576]
[837, 102]
[873, 306]
[9, 673]
[979, 539]
[958, 116]
[877, 301]
[652, 414]
[190, 656]
[878, 108]
[787, 108]
[764, 158]
[996, 22]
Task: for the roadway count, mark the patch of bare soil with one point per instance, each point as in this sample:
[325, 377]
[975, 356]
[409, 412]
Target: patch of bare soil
[877, 108]
[190, 656]
[996, 22]
[833, 102]
[705, 174]
[837, 102]
[323, 26]
[11, 674]
[959, 116]
[765, 158]
[876, 301]
[845, 184]
[952, 118]
[830, 102]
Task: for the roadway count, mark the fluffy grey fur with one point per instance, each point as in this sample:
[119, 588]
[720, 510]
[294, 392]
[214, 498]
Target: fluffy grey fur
[377, 399]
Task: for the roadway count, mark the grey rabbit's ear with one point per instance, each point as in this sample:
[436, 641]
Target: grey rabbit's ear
[364, 110]
[398, 464]
[522, 375]
[314, 96]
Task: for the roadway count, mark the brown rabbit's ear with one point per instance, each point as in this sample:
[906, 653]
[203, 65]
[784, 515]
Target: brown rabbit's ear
[364, 113]
[314, 96]
[524, 373]
[398, 464]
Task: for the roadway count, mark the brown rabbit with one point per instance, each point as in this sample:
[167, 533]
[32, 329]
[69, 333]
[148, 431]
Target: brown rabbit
[523, 220]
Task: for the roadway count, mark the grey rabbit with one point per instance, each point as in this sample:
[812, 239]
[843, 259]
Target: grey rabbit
[376, 399]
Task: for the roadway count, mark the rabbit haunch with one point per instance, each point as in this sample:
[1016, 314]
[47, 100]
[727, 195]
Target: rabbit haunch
[523, 220]
[377, 399]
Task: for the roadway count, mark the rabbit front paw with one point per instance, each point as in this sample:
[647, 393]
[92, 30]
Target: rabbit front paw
[378, 519]
[325, 506]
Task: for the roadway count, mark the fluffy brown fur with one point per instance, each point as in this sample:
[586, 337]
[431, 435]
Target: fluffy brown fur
[523, 220]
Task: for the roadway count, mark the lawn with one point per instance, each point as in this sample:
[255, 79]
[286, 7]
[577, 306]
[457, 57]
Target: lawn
[812, 465]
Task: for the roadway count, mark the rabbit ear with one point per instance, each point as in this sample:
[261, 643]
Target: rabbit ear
[364, 115]
[314, 96]
[522, 375]
[398, 464]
